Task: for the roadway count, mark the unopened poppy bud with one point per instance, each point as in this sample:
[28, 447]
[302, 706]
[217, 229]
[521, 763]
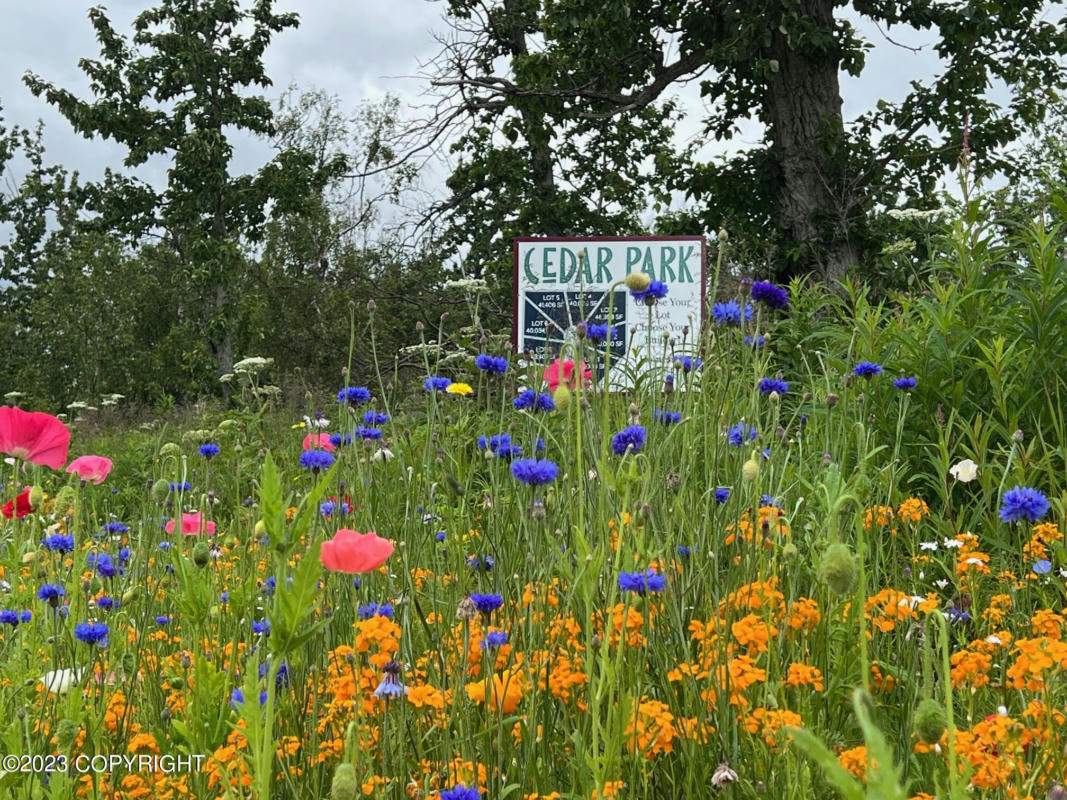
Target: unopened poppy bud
[371, 305]
[261, 529]
[930, 721]
[562, 397]
[344, 786]
[201, 554]
[580, 330]
[637, 281]
[131, 594]
[838, 568]
[596, 641]
[36, 496]
[750, 469]
[790, 552]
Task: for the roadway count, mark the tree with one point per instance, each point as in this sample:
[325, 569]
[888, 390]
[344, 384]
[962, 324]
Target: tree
[178, 90]
[812, 182]
[528, 164]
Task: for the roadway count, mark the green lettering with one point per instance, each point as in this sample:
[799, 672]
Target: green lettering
[684, 275]
[546, 262]
[649, 266]
[633, 256]
[587, 266]
[568, 266]
[530, 276]
[666, 258]
[603, 256]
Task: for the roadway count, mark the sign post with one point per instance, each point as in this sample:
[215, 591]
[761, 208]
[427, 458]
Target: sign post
[560, 282]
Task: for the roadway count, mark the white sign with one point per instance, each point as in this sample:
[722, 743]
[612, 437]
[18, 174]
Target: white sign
[561, 282]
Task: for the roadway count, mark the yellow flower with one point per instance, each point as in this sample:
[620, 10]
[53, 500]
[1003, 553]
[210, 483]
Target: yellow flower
[462, 389]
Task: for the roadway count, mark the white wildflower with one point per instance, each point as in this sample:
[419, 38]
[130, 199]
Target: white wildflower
[965, 471]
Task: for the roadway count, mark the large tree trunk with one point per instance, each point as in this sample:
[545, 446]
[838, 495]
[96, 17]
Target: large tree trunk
[814, 203]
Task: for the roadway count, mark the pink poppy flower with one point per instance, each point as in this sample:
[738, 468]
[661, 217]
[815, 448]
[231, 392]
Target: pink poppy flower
[318, 441]
[91, 468]
[193, 524]
[352, 552]
[34, 436]
[552, 374]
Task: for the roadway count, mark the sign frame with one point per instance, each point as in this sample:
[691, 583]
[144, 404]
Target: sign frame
[516, 298]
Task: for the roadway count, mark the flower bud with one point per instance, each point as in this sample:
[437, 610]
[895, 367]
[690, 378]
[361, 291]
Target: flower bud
[466, 610]
[344, 786]
[790, 552]
[201, 554]
[261, 529]
[562, 397]
[36, 496]
[838, 568]
[170, 449]
[831, 400]
[637, 281]
[750, 469]
[930, 721]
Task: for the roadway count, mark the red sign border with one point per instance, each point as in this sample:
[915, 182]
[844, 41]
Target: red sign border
[577, 239]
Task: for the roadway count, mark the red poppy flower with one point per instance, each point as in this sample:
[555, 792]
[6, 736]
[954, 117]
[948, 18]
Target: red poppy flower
[552, 374]
[352, 552]
[318, 441]
[91, 468]
[193, 524]
[34, 436]
[20, 506]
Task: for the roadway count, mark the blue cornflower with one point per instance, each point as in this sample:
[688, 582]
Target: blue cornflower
[487, 603]
[162, 620]
[641, 582]
[667, 417]
[766, 500]
[390, 687]
[598, 334]
[354, 395]
[684, 551]
[124, 555]
[58, 542]
[689, 363]
[730, 313]
[1043, 567]
[261, 627]
[770, 295]
[656, 290]
[529, 399]
[481, 563]
[494, 639]
[436, 384]
[539, 445]
[768, 385]
[281, 679]
[180, 486]
[753, 342]
[237, 698]
[107, 603]
[1021, 503]
[337, 439]
[722, 494]
[628, 440]
[270, 585]
[166, 545]
[209, 450]
[316, 460]
[327, 508]
[375, 610]
[369, 433]
[116, 527]
[224, 598]
[92, 633]
[375, 418]
[493, 364]
[533, 471]
[14, 617]
[867, 369]
[461, 792]
[103, 563]
[904, 384]
[956, 614]
[440, 536]
[739, 434]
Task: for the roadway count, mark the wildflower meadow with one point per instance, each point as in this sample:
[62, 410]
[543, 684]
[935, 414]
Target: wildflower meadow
[816, 550]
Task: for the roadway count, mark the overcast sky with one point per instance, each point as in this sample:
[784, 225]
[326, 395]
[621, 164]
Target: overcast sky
[356, 49]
